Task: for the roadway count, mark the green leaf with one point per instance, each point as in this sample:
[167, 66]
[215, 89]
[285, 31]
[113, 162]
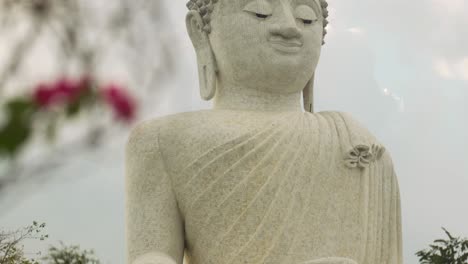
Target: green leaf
[19, 107]
[13, 136]
[17, 129]
[73, 109]
[453, 251]
[445, 242]
[448, 234]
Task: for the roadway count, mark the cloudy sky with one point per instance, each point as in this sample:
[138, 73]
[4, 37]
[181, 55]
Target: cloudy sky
[399, 66]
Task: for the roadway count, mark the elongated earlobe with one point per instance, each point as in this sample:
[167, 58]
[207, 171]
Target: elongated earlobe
[207, 68]
[207, 72]
[308, 95]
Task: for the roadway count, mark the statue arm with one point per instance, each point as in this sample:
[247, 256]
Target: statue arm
[154, 228]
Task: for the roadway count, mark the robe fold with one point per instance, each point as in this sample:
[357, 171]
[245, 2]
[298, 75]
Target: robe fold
[278, 190]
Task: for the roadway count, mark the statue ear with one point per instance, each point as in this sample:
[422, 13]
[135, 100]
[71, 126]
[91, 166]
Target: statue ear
[207, 68]
[308, 95]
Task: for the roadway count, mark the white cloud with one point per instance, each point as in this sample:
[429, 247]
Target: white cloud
[452, 70]
[444, 69]
[462, 69]
[356, 30]
[449, 6]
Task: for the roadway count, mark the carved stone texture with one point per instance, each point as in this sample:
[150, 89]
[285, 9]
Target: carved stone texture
[256, 180]
[260, 187]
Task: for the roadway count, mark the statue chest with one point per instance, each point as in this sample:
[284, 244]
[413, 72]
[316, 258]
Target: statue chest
[283, 190]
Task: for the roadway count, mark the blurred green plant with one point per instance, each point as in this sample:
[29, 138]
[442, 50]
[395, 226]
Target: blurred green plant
[11, 249]
[69, 255]
[63, 99]
[453, 250]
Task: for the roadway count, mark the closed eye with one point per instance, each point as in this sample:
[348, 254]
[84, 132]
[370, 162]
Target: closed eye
[308, 21]
[306, 14]
[261, 9]
[261, 15]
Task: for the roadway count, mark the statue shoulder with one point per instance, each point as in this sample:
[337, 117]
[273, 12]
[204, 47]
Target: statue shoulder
[176, 139]
[143, 137]
[356, 128]
[361, 135]
[148, 130]
[147, 135]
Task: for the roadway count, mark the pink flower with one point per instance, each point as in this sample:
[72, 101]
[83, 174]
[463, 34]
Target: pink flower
[123, 105]
[64, 90]
[68, 90]
[43, 95]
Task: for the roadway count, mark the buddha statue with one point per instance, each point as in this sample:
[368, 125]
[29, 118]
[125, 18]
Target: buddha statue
[260, 178]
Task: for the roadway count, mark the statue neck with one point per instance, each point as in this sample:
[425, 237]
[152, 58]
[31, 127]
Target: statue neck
[241, 98]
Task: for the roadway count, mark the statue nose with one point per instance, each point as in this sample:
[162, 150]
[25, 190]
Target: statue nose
[287, 32]
[285, 25]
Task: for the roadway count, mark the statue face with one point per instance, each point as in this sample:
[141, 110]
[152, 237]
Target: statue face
[272, 45]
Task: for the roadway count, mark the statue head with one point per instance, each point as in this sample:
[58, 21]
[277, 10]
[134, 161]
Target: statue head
[268, 45]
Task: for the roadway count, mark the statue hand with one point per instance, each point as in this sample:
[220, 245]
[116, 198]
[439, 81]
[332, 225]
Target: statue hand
[333, 260]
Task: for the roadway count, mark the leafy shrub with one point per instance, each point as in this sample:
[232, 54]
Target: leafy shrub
[11, 249]
[70, 255]
[453, 250]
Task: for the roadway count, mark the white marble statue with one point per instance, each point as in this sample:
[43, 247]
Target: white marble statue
[257, 179]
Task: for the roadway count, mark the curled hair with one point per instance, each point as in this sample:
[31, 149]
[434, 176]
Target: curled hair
[206, 7]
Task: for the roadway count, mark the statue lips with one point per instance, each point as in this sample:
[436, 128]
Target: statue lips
[286, 45]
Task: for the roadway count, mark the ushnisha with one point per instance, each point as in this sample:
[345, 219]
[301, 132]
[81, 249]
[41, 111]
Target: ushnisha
[256, 179]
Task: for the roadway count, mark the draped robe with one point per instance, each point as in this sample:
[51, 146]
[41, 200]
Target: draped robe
[267, 188]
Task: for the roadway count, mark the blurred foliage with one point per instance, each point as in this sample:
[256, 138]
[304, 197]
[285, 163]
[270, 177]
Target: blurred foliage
[69, 255]
[63, 99]
[17, 128]
[11, 248]
[49, 39]
[453, 250]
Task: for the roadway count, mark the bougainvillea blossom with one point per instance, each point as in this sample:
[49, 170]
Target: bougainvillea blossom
[43, 95]
[64, 90]
[123, 105]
